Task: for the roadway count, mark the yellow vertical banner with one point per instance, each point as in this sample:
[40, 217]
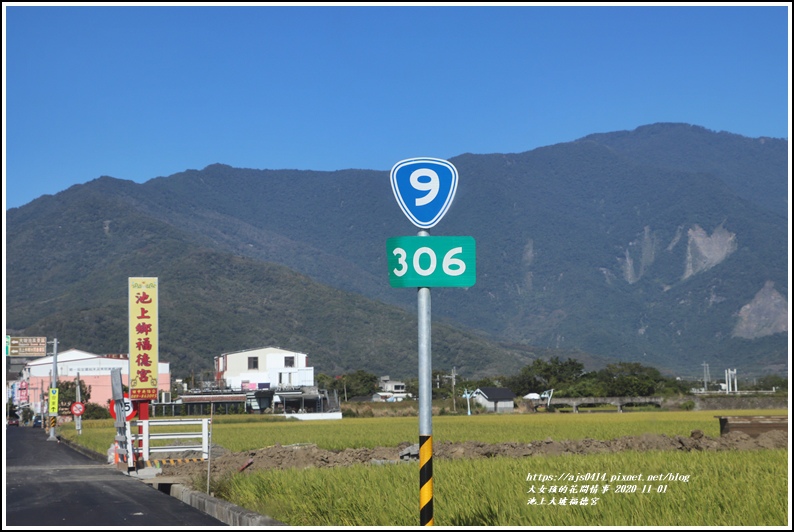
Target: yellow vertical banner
[144, 354]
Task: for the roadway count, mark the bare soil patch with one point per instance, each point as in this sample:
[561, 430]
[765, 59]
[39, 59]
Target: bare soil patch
[301, 456]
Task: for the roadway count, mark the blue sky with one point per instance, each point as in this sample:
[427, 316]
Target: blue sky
[137, 92]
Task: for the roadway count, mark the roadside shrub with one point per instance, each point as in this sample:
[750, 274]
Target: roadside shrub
[688, 405]
[95, 411]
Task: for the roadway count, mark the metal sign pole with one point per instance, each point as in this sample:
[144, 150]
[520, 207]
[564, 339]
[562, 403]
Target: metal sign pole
[78, 420]
[425, 407]
[209, 449]
[424, 188]
[54, 386]
[117, 394]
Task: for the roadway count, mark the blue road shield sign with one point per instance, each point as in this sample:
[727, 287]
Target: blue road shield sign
[424, 188]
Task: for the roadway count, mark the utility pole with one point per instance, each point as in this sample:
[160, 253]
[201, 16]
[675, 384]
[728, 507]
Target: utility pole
[454, 399]
[54, 390]
[78, 420]
[452, 376]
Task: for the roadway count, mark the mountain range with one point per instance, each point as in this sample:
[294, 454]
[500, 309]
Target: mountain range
[665, 245]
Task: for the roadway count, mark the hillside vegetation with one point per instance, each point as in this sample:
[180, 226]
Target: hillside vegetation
[666, 245]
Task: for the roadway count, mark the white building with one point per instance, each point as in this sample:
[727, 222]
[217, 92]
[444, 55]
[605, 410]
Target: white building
[497, 400]
[390, 390]
[262, 369]
[390, 386]
[273, 380]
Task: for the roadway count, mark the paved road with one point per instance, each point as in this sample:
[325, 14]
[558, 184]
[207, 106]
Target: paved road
[49, 484]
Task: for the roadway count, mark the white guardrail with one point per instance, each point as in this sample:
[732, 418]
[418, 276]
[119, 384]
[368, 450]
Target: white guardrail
[140, 431]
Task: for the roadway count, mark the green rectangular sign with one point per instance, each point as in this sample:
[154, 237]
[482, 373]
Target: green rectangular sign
[431, 261]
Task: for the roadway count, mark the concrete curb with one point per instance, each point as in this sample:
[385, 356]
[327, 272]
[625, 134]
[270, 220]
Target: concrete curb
[222, 510]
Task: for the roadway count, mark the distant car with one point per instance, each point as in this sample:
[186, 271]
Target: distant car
[37, 421]
[13, 422]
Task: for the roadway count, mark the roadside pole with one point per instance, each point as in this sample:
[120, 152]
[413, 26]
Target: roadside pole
[424, 188]
[78, 420]
[425, 405]
[143, 415]
[54, 390]
[209, 449]
[120, 422]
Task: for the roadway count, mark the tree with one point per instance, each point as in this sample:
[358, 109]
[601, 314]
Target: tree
[324, 382]
[440, 384]
[527, 380]
[412, 386]
[486, 382]
[543, 375]
[67, 393]
[587, 386]
[360, 383]
[768, 382]
[95, 411]
[630, 379]
[27, 415]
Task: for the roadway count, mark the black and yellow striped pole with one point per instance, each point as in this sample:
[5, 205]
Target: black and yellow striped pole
[425, 408]
[426, 480]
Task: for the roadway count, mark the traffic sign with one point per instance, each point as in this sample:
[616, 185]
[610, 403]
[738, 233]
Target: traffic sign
[77, 408]
[424, 188]
[431, 261]
[129, 408]
[27, 346]
[53, 403]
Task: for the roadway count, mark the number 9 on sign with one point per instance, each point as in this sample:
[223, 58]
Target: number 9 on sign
[431, 261]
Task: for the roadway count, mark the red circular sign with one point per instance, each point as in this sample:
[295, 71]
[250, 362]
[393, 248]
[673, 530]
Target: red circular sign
[129, 408]
[77, 408]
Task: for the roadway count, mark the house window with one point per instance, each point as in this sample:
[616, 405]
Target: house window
[289, 362]
[253, 362]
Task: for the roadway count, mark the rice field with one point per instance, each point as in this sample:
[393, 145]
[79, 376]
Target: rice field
[243, 432]
[727, 488]
[735, 488]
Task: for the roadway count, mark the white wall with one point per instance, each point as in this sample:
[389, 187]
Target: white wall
[271, 368]
[73, 361]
